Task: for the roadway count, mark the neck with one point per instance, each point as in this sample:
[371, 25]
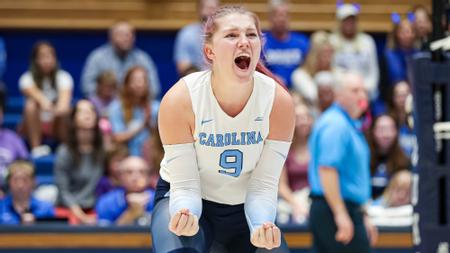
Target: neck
[231, 93]
[383, 150]
[280, 34]
[300, 141]
[106, 99]
[405, 48]
[121, 53]
[301, 144]
[345, 108]
[349, 36]
[323, 67]
[401, 115]
[85, 139]
[21, 204]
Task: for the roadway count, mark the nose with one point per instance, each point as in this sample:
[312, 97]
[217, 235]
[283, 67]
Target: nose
[243, 41]
[363, 93]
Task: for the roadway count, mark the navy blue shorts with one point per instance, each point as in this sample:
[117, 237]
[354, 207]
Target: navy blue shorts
[223, 228]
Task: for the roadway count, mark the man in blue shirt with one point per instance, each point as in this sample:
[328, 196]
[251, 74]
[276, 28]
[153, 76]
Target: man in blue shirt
[133, 201]
[188, 50]
[284, 50]
[19, 206]
[118, 56]
[339, 173]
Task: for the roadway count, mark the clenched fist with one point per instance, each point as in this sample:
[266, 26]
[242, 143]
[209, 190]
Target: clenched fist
[184, 223]
[267, 236]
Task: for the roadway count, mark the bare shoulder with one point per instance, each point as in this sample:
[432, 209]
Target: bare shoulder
[177, 97]
[283, 100]
[175, 117]
[282, 117]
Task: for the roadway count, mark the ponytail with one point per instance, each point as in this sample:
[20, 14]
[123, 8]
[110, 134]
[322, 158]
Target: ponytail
[263, 69]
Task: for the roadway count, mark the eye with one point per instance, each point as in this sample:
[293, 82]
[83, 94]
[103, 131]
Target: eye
[231, 35]
[252, 35]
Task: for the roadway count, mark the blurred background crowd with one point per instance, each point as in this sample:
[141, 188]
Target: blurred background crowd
[89, 152]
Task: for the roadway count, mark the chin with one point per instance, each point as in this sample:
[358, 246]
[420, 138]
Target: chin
[243, 75]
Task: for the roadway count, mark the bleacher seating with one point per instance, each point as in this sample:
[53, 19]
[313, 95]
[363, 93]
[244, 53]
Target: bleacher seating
[155, 16]
[44, 169]
[306, 15]
[94, 239]
[13, 111]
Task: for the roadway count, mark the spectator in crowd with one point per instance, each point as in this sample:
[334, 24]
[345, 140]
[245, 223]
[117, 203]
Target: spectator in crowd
[339, 173]
[423, 27]
[153, 153]
[110, 179]
[188, 53]
[355, 50]
[398, 192]
[396, 108]
[284, 50]
[386, 155]
[79, 164]
[11, 149]
[118, 56]
[293, 186]
[19, 206]
[325, 92]
[133, 201]
[48, 91]
[394, 208]
[401, 49]
[106, 91]
[319, 58]
[133, 113]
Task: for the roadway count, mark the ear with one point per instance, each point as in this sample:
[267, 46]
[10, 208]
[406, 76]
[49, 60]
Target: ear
[209, 52]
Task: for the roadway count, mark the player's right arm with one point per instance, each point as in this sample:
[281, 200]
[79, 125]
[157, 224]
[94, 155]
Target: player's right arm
[176, 126]
[175, 117]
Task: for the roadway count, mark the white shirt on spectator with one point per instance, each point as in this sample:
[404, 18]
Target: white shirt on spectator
[359, 55]
[64, 81]
[303, 83]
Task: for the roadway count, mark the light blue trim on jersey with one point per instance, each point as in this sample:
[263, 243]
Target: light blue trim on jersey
[228, 139]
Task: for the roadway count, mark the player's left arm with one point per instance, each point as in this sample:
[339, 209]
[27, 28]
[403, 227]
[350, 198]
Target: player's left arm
[282, 117]
[261, 200]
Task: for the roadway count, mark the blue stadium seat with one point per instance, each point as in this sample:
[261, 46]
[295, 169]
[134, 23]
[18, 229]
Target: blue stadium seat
[45, 179]
[11, 120]
[15, 104]
[13, 112]
[44, 166]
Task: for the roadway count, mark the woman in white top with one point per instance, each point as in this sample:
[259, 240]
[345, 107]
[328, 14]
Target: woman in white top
[226, 134]
[319, 59]
[48, 92]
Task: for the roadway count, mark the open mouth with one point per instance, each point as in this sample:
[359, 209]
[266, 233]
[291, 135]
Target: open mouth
[243, 62]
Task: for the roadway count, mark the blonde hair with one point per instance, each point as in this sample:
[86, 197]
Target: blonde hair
[397, 181]
[319, 40]
[20, 165]
[107, 77]
[393, 41]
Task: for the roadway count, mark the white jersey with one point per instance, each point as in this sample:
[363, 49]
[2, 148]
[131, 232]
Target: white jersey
[228, 148]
